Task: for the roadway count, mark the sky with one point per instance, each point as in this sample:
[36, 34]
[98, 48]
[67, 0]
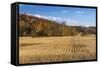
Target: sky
[71, 15]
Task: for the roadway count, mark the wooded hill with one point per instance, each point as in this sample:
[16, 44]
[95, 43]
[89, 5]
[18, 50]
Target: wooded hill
[37, 27]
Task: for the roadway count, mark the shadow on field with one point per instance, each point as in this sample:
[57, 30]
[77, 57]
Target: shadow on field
[30, 44]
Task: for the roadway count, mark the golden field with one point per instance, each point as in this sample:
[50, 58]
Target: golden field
[55, 49]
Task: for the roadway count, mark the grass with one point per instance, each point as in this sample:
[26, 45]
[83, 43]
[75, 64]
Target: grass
[55, 49]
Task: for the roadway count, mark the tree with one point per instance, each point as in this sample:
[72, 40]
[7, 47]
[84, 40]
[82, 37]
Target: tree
[74, 31]
[21, 27]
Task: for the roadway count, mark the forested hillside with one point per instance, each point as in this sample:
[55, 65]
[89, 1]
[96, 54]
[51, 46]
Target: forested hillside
[35, 27]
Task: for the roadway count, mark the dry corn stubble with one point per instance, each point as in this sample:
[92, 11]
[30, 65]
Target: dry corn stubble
[55, 49]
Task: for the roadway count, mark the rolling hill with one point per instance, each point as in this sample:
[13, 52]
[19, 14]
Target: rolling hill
[35, 26]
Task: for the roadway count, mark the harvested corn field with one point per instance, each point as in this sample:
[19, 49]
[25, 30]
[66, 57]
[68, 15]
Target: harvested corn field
[55, 49]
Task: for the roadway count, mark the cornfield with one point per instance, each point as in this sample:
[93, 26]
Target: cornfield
[55, 49]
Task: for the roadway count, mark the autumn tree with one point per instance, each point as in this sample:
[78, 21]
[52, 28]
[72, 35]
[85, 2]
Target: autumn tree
[21, 27]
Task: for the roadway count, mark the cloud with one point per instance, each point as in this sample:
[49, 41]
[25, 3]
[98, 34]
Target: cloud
[70, 22]
[54, 18]
[37, 15]
[58, 19]
[29, 14]
[65, 11]
[87, 24]
[79, 12]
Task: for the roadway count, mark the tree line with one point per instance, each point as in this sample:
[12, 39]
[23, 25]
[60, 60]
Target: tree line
[38, 27]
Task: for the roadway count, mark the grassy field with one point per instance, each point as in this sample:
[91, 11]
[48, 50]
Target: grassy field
[54, 49]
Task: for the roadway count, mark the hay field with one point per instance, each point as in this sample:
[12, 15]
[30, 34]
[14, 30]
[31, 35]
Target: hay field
[54, 49]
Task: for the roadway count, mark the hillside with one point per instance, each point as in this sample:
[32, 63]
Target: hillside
[35, 26]
[85, 30]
